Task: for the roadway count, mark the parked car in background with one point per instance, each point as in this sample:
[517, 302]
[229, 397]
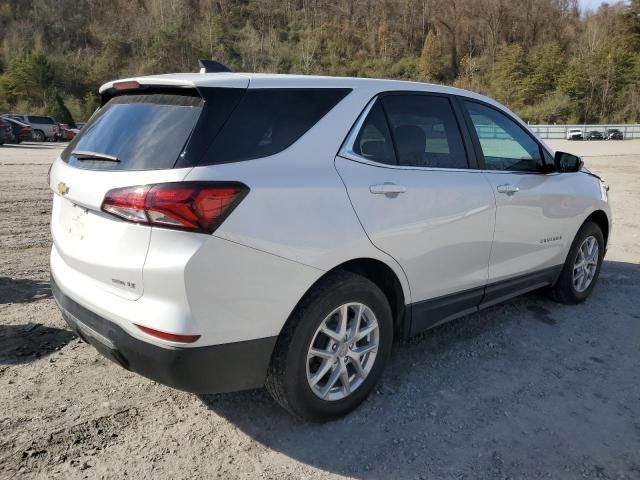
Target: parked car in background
[6, 132]
[66, 133]
[326, 217]
[574, 134]
[79, 125]
[44, 128]
[614, 134]
[21, 131]
[594, 135]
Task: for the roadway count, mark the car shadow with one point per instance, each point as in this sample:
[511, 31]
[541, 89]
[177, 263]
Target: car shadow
[23, 290]
[29, 342]
[439, 396]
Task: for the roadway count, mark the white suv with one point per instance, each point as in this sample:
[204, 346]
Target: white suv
[574, 134]
[218, 232]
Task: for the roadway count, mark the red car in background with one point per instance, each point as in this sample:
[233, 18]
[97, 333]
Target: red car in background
[65, 133]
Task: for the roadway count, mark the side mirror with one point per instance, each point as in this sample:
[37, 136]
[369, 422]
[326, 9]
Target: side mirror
[566, 162]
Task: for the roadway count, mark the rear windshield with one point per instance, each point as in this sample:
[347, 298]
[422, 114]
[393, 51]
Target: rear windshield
[269, 120]
[40, 120]
[136, 132]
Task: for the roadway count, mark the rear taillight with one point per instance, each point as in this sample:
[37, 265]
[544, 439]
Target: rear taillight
[195, 206]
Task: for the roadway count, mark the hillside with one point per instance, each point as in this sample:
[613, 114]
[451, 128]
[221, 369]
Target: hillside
[543, 58]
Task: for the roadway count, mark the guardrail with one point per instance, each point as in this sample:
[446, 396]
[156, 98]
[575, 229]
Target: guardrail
[560, 131]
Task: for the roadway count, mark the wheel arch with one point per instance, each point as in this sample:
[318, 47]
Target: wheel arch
[600, 218]
[386, 279]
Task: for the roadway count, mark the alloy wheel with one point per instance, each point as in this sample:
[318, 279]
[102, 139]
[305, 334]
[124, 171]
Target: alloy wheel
[586, 264]
[343, 351]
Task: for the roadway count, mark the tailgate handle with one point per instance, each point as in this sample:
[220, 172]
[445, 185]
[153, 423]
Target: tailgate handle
[387, 189]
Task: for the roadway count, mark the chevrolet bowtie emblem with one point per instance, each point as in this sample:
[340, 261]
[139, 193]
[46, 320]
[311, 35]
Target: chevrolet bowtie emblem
[62, 188]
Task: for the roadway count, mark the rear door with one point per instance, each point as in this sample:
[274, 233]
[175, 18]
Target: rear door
[136, 138]
[406, 169]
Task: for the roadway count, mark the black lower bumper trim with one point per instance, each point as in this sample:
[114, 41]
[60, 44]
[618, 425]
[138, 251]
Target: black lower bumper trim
[211, 369]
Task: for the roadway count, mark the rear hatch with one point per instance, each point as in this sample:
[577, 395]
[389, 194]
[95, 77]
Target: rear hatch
[142, 136]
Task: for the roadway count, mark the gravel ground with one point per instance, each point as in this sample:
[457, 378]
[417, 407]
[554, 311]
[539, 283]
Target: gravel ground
[528, 389]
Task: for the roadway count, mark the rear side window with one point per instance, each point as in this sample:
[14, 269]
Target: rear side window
[267, 121]
[426, 132]
[40, 120]
[143, 132]
[374, 139]
[505, 145]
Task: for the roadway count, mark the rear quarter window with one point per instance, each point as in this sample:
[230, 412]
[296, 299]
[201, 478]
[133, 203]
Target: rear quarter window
[267, 121]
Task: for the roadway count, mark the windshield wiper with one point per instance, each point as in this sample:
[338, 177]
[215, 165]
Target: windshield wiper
[86, 155]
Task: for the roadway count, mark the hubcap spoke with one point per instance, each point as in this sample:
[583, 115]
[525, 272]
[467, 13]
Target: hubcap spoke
[319, 375]
[344, 379]
[335, 374]
[344, 318]
[355, 361]
[317, 352]
[330, 333]
[364, 332]
[366, 349]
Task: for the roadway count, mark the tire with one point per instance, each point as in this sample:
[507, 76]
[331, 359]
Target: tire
[565, 289]
[38, 136]
[291, 373]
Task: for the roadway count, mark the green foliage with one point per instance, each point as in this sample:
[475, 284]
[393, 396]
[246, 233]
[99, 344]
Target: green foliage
[27, 78]
[56, 108]
[542, 58]
[508, 80]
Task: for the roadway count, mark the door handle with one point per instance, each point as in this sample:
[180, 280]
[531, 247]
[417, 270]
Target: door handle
[508, 189]
[387, 189]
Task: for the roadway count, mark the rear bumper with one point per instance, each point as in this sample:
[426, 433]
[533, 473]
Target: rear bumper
[210, 369]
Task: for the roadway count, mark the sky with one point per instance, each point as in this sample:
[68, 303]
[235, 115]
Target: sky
[593, 4]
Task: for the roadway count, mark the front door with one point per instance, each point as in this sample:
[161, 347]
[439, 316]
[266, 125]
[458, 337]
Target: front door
[536, 211]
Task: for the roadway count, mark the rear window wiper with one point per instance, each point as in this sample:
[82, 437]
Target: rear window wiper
[85, 155]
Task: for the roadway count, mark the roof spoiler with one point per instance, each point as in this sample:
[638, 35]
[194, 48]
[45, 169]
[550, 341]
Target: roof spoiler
[211, 66]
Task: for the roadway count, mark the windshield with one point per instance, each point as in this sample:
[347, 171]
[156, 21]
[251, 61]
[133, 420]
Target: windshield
[142, 132]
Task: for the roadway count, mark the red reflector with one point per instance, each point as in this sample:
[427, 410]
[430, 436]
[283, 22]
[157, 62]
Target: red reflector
[169, 336]
[196, 206]
[132, 85]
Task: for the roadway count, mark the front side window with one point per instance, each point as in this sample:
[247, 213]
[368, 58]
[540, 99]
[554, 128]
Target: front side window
[426, 132]
[505, 145]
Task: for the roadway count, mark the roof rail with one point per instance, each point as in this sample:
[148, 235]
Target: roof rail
[211, 66]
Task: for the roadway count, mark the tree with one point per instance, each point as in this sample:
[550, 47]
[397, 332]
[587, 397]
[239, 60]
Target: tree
[509, 75]
[432, 62]
[28, 78]
[57, 109]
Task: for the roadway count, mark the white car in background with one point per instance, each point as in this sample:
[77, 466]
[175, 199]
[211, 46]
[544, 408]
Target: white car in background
[575, 134]
[222, 231]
